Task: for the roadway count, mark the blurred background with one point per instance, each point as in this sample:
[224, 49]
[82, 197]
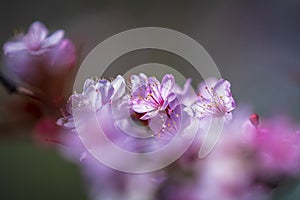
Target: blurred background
[255, 44]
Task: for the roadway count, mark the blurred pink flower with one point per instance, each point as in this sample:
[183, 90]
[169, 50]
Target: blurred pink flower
[229, 171]
[103, 182]
[35, 41]
[35, 55]
[46, 132]
[277, 143]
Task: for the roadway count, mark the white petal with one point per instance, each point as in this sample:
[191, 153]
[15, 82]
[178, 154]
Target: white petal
[13, 47]
[37, 32]
[228, 116]
[54, 39]
[143, 77]
[119, 87]
[204, 88]
[106, 90]
[156, 123]
[167, 84]
[135, 82]
[222, 89]
[142, 108]
[189, 111]
[150, 115]
[88, 83]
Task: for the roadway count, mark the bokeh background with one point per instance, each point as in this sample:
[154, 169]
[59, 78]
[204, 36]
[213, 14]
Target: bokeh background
[255, 44]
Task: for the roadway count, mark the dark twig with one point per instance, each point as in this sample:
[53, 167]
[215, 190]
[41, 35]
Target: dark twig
[13, 88]
[9, 85]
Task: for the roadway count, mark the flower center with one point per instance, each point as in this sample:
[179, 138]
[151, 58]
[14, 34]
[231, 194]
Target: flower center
[213, 105]
[34, 46]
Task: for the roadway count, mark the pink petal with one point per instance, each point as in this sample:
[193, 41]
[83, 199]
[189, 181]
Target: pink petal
[156, 123]
[106, 90]
[119, 87]
[37, 32]
[38, 52]
[73, 100]
[13, 47]
[189, 111]
[228, 116]
[64, 55]
[142, 108]
[68, 121]
[88, 83]
[204, 89]
[150, 115]
[167, 84]
[155, 87]
[135, 82]
[94, 98]
[186, 95]
[198, 110]
[138, 81]
[165, 105]
[171, 97]
[178, 90]
[222, 89]
[54, 39]
[174, 103]
[143, 77]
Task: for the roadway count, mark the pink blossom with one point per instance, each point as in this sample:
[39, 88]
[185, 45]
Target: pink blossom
[36, 55]
[214, 99]
[156, 102]
[229, 171]
[35, 41]
[95, 94]
[103, 182]
[150, 97]
[277, 144]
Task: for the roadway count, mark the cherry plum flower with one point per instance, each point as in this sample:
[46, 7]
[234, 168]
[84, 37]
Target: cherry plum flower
[155, 101]
[36, 54]
[150, 97]
[95, 94]
[35, 41]
[214, 99]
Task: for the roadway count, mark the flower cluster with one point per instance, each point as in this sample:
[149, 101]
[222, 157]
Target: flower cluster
[251, 158]
[244, 164]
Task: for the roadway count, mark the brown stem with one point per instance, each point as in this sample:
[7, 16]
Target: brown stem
[13, 88]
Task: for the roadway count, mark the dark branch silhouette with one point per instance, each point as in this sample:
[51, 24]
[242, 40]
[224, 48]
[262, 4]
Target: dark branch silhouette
[13, 88]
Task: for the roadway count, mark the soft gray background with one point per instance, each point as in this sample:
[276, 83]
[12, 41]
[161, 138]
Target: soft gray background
[255, 44]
